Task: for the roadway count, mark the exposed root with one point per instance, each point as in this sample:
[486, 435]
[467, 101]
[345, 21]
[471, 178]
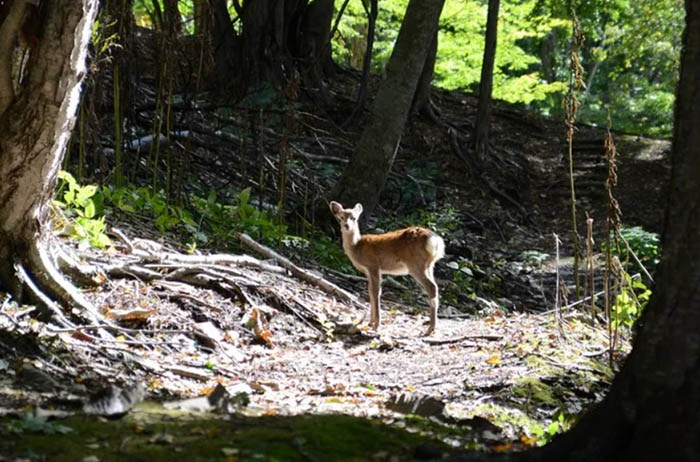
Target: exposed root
[55, 309]
[44, 269]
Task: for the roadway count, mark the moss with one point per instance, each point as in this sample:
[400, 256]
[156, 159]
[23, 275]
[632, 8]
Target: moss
[536, 392]
[160, 436]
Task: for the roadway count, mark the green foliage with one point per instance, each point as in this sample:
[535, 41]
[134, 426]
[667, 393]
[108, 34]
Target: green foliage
[321, 248]
[242, 217]
[635, 47]
[533, 257]
[460, 45]
[470, 281]
[634, 294]
[81, 206]
[444, 221]
[517, 77]
[560, 424]
[167, 217]
[631, 54]
[645, 245]
[630, 302]
[464, 285]
[31, 424]
[207, 215]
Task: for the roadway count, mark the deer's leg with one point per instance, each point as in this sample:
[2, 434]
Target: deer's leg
[375, 291]
[427, 281]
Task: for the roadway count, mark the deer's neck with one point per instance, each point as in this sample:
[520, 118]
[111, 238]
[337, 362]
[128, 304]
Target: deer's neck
[350, 240]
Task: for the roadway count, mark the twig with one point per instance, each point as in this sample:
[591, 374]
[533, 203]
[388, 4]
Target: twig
[431, 341]
[557, 243]
[577, 302]
[118, 328]
[634, 255]
[304, 275]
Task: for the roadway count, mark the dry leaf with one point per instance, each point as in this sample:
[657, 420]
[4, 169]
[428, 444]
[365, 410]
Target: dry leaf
[529, 441]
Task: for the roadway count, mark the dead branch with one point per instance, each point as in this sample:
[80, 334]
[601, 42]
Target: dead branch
[433, 341]
[304, 275]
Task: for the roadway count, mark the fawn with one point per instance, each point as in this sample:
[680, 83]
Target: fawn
[411, 251]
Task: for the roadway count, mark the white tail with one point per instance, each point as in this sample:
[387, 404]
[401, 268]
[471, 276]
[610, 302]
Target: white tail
[411, 251]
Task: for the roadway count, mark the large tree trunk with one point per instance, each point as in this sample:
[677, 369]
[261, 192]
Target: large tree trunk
[35, 131]
[481, 131]
[364, 177]
[652, 412]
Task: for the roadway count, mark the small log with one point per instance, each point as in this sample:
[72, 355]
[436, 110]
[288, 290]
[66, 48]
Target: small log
[300, 273]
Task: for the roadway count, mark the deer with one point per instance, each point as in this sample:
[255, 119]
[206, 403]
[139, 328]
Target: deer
[413, 251]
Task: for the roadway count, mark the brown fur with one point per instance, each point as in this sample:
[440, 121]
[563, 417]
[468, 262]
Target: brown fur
[411, 251]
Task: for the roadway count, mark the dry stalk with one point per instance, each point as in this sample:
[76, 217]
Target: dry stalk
[612, 228]
[291, 93]
[571, 104]
[590, 280]
[557, 312]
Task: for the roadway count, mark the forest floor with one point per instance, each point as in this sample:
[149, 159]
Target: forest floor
[502, 371]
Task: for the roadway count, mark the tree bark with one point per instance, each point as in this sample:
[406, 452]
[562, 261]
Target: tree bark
[364, 177]
[35, 132]
[226, 45]
[481, 131]
[316, 50]
[652, 410]
[422, 103]
[278, 37]
[10, 26]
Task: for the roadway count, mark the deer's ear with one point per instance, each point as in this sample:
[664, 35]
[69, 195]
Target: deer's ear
[357, 210]
[336, 208]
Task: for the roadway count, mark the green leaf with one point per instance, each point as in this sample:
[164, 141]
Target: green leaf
[89, 209]
[67, 177]
[85, 192]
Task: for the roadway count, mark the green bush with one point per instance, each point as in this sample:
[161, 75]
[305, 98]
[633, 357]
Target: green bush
[81, 206]
[644, 244]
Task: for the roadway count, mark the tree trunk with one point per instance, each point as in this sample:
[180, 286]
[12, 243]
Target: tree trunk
[35, 132]
[364, 177]
[10, 24]
[481, 131]
[316, 50]
[226, 45]
[270, 33]
[276, 36]
[422, 103]
[652, 411]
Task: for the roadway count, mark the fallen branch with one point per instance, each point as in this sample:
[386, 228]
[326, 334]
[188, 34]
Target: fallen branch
[300, 273]
[435, 341]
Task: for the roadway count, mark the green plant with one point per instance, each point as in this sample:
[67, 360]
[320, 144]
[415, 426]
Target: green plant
[80, 206]
[131, 199]
[29, 423]
[644, 244]
[560, 424]
[328, 252]
[463, 280]
[533, 257]
[241, 217]
[207, 218]
[444, 221]
[630, 302]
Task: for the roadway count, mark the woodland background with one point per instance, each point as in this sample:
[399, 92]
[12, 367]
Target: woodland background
[209, 129]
